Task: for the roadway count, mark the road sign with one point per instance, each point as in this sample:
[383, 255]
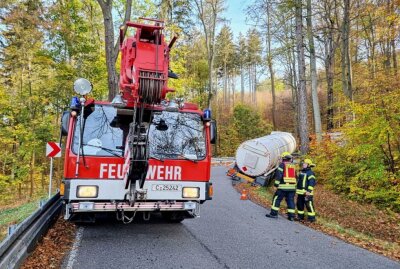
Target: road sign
[53, 150]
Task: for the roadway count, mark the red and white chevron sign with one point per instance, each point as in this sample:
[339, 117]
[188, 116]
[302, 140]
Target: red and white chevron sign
[53, 150]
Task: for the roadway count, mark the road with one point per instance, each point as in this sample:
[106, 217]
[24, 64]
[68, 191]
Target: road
[230, 233]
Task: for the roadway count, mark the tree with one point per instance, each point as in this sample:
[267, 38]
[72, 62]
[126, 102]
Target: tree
[302, 92]
[269, 61]
[242, 56]
[254, 50]
[209, 14]
[112, 48]
[330, 40]
[346, 61]
[177, 13]
[313, 74]
[244, 123]
[24, 71]
[265, 21]
[224, 58]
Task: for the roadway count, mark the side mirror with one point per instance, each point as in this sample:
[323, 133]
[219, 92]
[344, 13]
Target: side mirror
[171, 74]
[213, 132]
[65, 123]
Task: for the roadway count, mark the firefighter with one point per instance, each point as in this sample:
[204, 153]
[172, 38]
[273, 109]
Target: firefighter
[305, 191]
[285, 185]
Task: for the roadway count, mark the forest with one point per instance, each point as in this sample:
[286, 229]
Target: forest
[327, 71]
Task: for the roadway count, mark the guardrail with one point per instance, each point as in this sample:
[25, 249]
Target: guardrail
[15, 248]
[223, 160]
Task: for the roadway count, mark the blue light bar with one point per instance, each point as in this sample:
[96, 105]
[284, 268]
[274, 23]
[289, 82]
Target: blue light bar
[207, 114]
[75, 104]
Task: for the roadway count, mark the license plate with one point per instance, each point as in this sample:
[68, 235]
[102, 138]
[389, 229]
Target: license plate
[189, 205]
[166, 187]
[86, 206]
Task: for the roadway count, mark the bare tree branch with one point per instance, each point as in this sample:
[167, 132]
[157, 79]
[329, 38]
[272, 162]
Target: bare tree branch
[128, 12]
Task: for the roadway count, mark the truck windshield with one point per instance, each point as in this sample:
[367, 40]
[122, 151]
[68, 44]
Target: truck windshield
[175, 135]
[100, 138]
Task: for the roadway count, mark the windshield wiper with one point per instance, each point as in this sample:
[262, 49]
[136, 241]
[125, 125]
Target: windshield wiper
[156, 158]
[178, 156]
[164, 154]
[187, 158]
[111, 151]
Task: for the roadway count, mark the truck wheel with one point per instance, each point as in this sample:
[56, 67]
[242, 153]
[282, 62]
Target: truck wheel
[173, 217]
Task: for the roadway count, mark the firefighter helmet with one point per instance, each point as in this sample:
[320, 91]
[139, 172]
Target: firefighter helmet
[309, 162]
[286, 155]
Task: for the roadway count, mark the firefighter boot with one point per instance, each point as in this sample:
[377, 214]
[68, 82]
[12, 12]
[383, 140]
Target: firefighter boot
[272, 215]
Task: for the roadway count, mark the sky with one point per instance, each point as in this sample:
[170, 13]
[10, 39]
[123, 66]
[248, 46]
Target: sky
[236, 15]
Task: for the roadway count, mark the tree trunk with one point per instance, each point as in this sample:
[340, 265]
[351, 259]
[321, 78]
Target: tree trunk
[42, 181]
[295, 95]
[313, 70]
[225, 85]
[106, 8]
[233, 90]
[393, 39]
[19, 191]
[111, 48]
[210, 81]
[394, 55]
[346, 61]
[255, 84]
[270, 65]
[250, 85]
[241, 84]
[303, 124]
[330, 49]
[31, 174]
[329, 70]
[273, 107]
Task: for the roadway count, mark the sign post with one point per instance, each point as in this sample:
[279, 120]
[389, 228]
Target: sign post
[53, 150]
[51, 175]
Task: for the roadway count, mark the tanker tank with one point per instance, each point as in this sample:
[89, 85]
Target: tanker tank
[260, 156]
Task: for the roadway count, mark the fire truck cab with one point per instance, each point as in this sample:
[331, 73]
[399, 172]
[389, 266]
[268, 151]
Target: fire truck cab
[179, 156]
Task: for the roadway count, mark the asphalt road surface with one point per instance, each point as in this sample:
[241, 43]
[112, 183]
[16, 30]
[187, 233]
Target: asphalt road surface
[230, 233]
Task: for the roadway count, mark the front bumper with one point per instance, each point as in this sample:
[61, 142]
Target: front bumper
[191, 208]
[114, 190]
[138, 206]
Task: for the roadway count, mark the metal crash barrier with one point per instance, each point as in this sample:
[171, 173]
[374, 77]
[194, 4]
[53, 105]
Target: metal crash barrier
[23, 238]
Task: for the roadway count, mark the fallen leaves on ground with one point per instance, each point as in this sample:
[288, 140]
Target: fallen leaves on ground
[51, 250]
[374, 229]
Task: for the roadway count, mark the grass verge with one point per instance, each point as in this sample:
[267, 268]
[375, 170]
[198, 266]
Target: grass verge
[15, 215]
[360, 224]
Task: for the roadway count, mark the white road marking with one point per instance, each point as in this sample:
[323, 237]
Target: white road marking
[74, 250]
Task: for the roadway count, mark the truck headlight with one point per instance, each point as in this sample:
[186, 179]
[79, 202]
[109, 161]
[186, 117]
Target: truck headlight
[190, 192]
[87, 191]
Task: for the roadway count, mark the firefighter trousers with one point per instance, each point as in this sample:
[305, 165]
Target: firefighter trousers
[276, 202]
[305, 201]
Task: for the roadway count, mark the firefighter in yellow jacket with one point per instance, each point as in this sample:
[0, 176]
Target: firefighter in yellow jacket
[305, 191]
[285, 182]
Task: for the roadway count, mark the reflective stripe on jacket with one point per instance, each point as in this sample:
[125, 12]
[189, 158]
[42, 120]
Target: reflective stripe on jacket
[279, 180]
[306, 182]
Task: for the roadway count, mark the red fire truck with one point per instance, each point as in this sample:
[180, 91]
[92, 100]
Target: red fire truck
[141, 152]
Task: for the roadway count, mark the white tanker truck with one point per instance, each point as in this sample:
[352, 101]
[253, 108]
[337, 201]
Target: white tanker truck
[257, 159]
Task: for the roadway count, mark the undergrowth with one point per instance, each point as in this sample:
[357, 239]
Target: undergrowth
[15, 215]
